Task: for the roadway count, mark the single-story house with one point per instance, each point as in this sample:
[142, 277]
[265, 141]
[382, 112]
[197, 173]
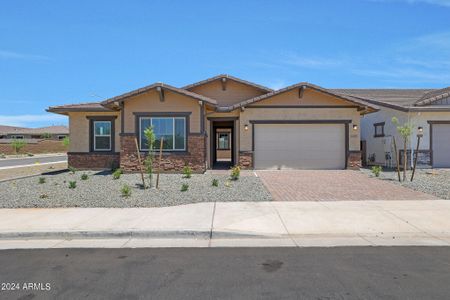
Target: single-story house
[217, 123]
[22, 133]
[428, 110]
[37, 140]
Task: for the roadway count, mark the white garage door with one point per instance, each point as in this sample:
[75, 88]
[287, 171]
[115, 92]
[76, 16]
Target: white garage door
[441, 145]
[299, 146]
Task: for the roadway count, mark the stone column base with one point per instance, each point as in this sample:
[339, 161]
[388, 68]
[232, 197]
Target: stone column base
[354, 160]
[246, 159]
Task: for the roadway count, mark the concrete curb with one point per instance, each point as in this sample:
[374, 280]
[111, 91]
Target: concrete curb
[163, 234]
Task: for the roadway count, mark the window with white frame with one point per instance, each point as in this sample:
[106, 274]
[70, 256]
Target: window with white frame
[102, 135]
[171, 129]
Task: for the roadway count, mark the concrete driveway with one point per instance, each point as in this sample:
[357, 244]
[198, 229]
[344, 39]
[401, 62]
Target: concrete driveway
[333, 185]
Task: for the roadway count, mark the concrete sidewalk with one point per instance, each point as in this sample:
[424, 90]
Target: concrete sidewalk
[234, 224]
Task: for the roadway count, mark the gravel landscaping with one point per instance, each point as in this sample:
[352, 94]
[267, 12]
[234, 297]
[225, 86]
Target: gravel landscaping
[100, 190]
[431, 181]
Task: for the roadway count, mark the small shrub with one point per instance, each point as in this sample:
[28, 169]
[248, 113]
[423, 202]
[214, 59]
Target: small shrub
[2, 155]
[187, 172]
[228, 184]
[184, 187]
[117, 173]
[66, 141]
[30, 154]
[46, 135]
[215, 182]
[43, 196]
[235, 172]
[41, 180]
[376, 170]
[17, 145]
[72, 169]
[72, 184]
[125, 191]
[84, 176]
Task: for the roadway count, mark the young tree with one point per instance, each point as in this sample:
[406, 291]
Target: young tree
[151, 138]
[66, 141]
[405, 132]
[17, 145]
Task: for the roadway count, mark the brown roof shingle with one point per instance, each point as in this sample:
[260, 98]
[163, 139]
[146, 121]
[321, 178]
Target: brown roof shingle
[88, 107]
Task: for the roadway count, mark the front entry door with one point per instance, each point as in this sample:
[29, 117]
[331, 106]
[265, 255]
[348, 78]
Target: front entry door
[222, 146]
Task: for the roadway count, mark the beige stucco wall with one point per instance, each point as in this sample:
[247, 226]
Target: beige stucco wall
[79, 130]
[310, 97]
[234, 93]
[149, 102]
[380, 145]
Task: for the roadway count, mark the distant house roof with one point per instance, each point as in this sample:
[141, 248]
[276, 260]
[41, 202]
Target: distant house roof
[4, 130]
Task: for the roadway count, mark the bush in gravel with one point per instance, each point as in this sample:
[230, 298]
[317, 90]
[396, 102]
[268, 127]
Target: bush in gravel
[125, 190]
[215, 182]
[84, 176]
[30, 154]
[2, 155]
[235, 172]
[72, 169]
[184, 187]
[187, 172]
[376, 170]
[41, 180]
[72, 184]
[43, 196]
[117, 173]
[228, 184]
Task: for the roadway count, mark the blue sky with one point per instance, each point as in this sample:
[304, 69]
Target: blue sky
[57, 52]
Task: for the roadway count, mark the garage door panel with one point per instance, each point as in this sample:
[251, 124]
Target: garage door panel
[299, 146]
[441, 145]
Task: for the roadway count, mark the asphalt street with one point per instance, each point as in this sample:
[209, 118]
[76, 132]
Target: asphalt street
[227, 273]
[31, 160]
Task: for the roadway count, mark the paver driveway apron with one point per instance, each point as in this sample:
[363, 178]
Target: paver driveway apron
[333, 185]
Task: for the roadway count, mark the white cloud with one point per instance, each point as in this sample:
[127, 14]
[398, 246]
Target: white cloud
[16, 55]
[277, 84]
[32, 120]
[310, 62]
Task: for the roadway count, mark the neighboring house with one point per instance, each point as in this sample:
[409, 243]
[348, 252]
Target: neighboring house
[428, 110]
[220, 122]
[50, 132]
[37, 140]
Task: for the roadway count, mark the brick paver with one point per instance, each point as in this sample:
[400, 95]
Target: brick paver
[315, 185]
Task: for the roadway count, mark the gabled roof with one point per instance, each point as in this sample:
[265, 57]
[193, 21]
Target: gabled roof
[401, 99]
[433, 96]
[87, 107]
[360, 102]
[164, 86]
[219, 77]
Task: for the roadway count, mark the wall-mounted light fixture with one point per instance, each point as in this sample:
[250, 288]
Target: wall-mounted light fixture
[200, 102]
[246, 127]
[355, 127]
[420, 128]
